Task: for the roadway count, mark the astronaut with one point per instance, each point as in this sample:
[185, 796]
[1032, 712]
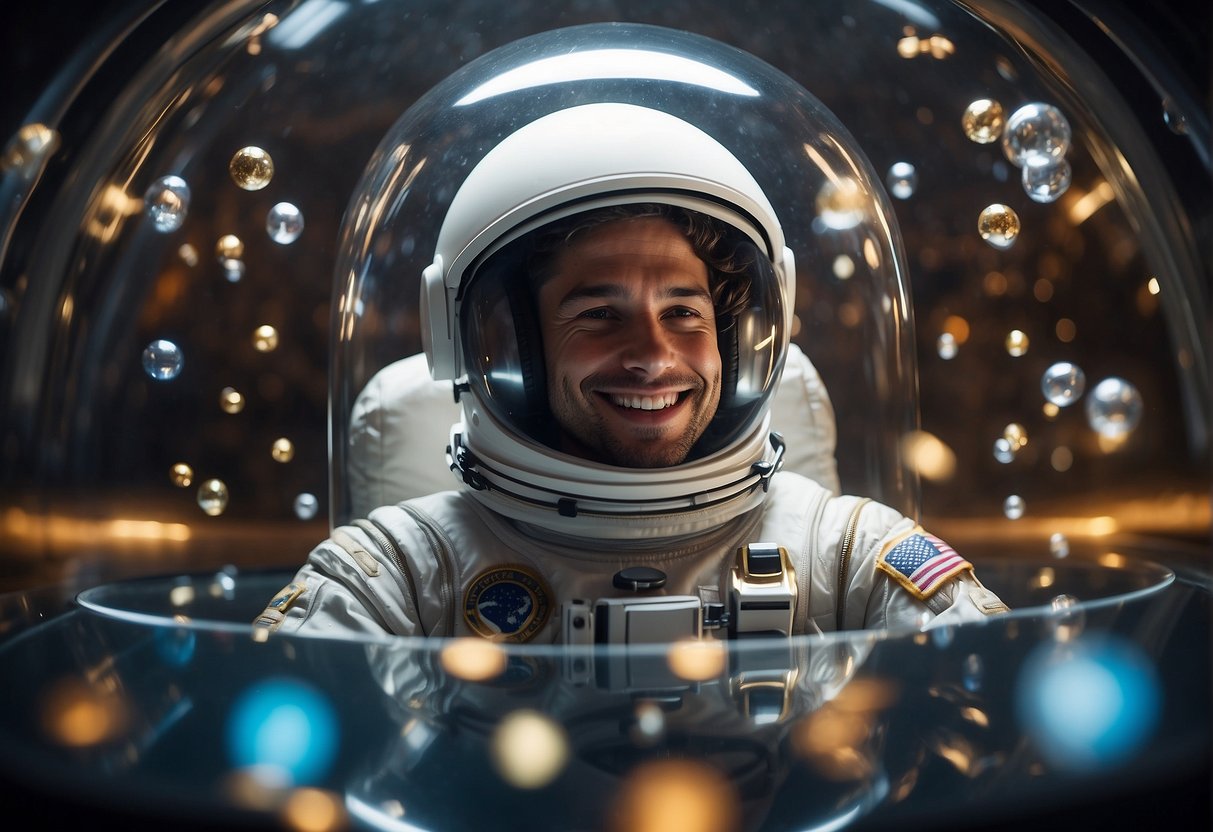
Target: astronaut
[611, 298]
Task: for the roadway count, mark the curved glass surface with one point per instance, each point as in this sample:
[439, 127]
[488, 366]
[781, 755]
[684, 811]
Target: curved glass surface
[157, 694]
[1108, 276]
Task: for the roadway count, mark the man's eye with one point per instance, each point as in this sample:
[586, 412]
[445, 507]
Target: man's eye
[684, 312]
[598, 314]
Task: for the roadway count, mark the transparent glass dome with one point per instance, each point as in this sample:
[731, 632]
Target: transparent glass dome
[111, 442]
[826, 196]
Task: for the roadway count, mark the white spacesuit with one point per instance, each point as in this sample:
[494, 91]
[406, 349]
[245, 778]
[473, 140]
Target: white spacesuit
[547, 541]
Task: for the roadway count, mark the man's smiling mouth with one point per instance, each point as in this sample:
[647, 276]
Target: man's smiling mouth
[637, 401]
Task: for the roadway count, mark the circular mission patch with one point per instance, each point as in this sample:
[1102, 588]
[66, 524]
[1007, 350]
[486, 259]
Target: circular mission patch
[507, 601]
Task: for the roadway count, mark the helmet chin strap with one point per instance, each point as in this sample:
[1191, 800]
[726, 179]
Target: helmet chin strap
[554, 506]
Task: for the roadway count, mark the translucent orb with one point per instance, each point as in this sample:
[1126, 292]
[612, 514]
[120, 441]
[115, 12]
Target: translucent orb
[284, 223]
[1045, 178]
[998, 225]
[1035, 130]
[181, 475]
[229, 247]
[946, 346]
[167, 202]
[283, 450]
[1004, 451]
[231, 400]
[1015, 434]
[1013, 507]
[529, 749]
[972, 672]
[1017, 343]
[1067, 618]
[1063, 383]
[306, 506]
[251, 168]
[902, 180]
[1059, 546]
[212, 497]
[1114, 408]
[1175, 120]
[265, 338]
[840, 204]
[233, 270]
[162, 360]
[33, 144]
[983, 121]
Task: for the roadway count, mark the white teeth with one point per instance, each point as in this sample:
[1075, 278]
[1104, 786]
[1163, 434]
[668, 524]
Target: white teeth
[645, 402]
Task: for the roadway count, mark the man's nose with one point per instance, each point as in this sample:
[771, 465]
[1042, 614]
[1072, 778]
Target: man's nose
[647, 347]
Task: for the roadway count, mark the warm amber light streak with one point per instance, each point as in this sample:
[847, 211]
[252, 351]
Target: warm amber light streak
[67, 531]
[1086, 205]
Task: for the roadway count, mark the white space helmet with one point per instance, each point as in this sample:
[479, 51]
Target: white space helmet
[539, 131]
[479, 322]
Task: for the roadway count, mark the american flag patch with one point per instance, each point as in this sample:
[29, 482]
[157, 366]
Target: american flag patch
[922, 563]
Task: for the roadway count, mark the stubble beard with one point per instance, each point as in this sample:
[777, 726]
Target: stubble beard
[586, 432]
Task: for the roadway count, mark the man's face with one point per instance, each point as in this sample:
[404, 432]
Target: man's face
[629, 336]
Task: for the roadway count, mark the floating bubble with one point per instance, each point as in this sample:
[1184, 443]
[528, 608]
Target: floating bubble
[29, 149]
[1063, 383]
[946, 346]
[162, 360]
[167, 202]
[1067, 618]
[1045, 178]
[1059, 546]
[1061, 459]
[1004, 451]
[265, 338]
[231, 400]
[212, 497]
[233, 270]
[1114, 408]
[1016, 435]
[1013, 507]
[1035, 130]
[650, 723]
[283, 450]
[844, 267]
[251, 168]
[229, 247]
[188, 254]
[840, 204]
[1090, 705]
[1174, 118]
[174, 645]
[902, 180]
[306, 506]
[473, 659]
[998, 225]
[181, 475]
[983, 121]
[928, 455]
[283, 730]
[529, 749]
[284, 223]
[1017, 343]
[972, 672]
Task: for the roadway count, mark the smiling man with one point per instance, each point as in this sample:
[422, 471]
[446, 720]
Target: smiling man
[615, 324]
[629, 333]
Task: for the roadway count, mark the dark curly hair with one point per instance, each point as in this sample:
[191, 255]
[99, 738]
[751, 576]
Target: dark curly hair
[716, 243]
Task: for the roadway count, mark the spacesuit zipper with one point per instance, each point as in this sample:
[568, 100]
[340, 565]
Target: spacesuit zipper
[844, 560]
[384, 541]
[441, 543]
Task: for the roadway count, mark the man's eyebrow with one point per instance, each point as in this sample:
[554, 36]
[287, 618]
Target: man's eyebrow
[605, 291]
